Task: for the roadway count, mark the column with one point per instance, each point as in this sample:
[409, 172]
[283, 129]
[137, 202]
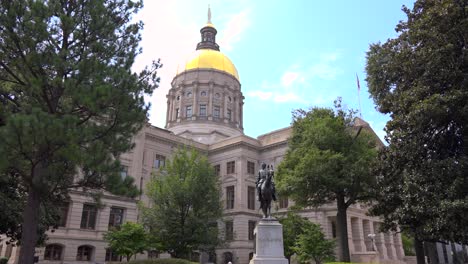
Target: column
[357, 234]
[195, 101]
[400, 254]
[168, 108]
[389, 244]
[209, 110]
[380, 242]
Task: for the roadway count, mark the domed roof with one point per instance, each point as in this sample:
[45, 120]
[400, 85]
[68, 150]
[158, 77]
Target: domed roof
[211, 59]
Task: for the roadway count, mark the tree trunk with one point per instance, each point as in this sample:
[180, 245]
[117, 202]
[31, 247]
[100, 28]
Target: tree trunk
[342, 228]
[419, 249]
[29, 227]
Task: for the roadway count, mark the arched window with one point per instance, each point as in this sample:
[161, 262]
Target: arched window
[203, 93]
[227, 257]
[84, 253]
[53, 252]
[212, 257]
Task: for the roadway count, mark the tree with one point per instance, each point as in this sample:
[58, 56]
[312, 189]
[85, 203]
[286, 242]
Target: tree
[185, 205]
[127, 240]
[293, 226]
[420, 79]
[69, 101]
[329, 160]
[312, 245]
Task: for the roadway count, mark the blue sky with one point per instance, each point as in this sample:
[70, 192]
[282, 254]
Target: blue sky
[289, 54]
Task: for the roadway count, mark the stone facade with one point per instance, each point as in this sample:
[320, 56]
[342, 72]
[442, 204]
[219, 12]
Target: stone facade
[205, 112]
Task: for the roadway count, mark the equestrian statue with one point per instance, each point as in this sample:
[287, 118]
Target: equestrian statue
[266, 189]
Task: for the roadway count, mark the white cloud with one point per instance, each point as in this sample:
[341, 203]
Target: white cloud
[289, 98]
[289, 78]
[260, 95]
[234, 28]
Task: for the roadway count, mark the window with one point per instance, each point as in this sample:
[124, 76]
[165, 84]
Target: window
[88, 217]
[230, 197]
[229, 230]
[250, 167]
[159, 161]
[333, 223]
[216, 111]
[84, 253]
[231, 167]
[251, 198]
[63, 210]
[189, 94]
[229, 114]
[202, 110]
[217, 169]
[116, 217]
[229, 98]
[177, 113]
[178, 98]
[112, 256]
[251, 230]
[53, 252]
[203, 93]
[188, 111]
[283, 202]
[124, 172]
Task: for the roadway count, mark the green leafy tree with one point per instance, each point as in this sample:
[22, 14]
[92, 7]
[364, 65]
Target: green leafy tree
[329, 160]
[185, 205]
[293, 226]
[312, 245]
[127, 240]
[420, 79]
[69, 101]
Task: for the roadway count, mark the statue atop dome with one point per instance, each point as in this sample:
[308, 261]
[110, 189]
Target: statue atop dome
[208, 35]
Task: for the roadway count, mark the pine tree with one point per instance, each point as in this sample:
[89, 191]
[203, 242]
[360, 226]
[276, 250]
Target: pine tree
[69, 101]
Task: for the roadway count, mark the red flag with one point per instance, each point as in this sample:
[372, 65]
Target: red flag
[358, 85]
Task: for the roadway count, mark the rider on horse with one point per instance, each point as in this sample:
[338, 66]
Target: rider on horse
[262, 174]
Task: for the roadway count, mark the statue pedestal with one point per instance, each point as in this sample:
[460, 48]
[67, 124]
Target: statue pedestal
[269, 243]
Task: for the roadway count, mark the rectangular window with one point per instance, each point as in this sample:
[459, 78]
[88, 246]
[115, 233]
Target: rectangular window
[112, 256]
[116, 217]
[229, 114]
[188, 111]
[217, 169]
[124, 172]
[229, 230]
[250, 167]
[251, 198]
[202, 110]
[283, 202]
[251, 230]
[231, 167]
[159, 161]
[230, 197]
[63, 210]
[216, 111]
[88, 217]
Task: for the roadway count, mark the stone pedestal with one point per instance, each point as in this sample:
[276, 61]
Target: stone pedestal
[269, 243]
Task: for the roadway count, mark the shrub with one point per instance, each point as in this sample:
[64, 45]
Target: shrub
[3, 260]
[162, 261]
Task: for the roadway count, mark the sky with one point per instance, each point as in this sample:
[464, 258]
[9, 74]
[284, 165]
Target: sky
[289, 54]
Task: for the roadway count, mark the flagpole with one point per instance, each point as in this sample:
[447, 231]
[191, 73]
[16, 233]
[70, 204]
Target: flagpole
[359, 95]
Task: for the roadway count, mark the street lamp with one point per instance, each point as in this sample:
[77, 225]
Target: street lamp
[371, 237]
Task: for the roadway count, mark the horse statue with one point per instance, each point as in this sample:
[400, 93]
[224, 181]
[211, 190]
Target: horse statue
[266, 189]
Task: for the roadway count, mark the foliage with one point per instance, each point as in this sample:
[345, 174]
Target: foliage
[69, 101]
[408, 244]
[185, 205]
[312, 245]
[293, 226]
[329, 159]
[127, 240]
[162, 261]
[3, 260]
[420, 79]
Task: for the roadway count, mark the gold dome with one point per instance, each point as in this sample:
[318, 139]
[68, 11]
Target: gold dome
[211, 59]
